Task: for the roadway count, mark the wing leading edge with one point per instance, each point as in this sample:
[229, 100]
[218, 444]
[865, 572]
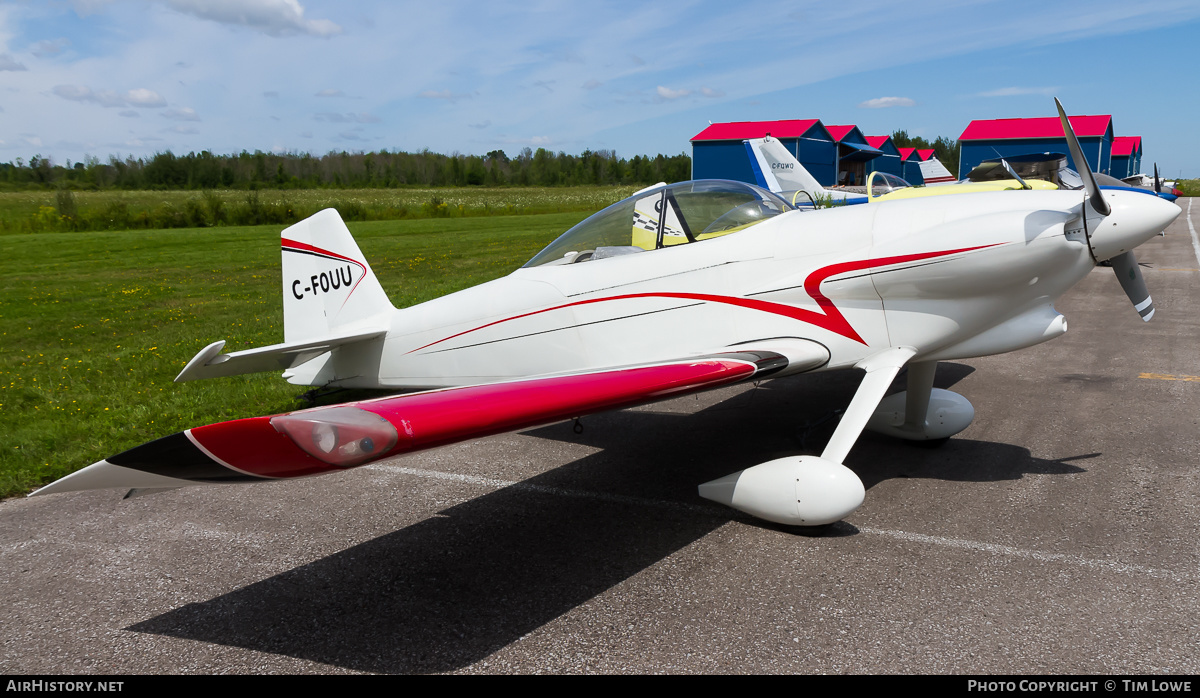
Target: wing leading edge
[336, 437]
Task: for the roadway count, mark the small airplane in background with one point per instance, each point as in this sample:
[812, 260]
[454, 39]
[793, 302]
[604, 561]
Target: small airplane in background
[1166, 190]
[785, 176]
[676, 289]
[1052, 168]
[933, 171]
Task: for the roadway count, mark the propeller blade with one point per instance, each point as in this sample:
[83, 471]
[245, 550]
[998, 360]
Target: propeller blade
[1013, 173]
[1085, 170]
[1130, 275]
[1157, 183]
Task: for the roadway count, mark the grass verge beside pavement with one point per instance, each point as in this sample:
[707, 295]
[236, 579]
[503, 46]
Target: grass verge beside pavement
[94, 327]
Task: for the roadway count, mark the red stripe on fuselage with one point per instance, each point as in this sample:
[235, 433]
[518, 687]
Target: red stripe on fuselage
[829, 319]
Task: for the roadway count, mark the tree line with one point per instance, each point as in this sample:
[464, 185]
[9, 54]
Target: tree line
[381, 169]
[357, 170]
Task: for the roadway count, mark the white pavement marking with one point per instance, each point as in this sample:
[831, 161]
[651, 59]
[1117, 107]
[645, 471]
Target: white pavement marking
[1195, 240]
[956, 543]
[1010, 551]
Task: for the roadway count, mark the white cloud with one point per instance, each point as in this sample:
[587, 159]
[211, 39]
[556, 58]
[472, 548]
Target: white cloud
[709, 92]
[592, 84]
[139, 142]
[668, 93]
[129, 113]
[183, 114]
[443, 94]
[139, 97]
[271, 17]
[482, 124]
[535, 140]
[186, 130]
[7, 62]
[884, 102]
[333, 118]
[1017, 91]
[48, 47]
[330, 93]
[83, 8]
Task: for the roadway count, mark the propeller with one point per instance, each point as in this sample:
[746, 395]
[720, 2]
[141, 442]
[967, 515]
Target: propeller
[1129, 273]
[1157, 182]
[1085, 170]
[1125, 265]
[1013, 173]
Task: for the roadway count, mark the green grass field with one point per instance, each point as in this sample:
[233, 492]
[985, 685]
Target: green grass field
[95, 326]
[42, 211]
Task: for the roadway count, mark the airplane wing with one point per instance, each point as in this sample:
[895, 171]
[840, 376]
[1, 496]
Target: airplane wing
[336, 437]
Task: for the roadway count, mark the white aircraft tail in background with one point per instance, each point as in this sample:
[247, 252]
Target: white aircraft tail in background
[782, 172]
[935, 173]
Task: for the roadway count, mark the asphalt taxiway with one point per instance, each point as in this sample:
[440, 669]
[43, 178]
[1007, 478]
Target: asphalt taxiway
[1059, 533]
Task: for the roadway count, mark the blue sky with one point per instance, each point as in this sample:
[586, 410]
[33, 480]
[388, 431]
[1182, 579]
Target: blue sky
[132, 77]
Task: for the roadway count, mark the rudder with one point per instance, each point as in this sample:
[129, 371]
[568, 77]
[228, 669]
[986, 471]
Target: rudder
[327, 282]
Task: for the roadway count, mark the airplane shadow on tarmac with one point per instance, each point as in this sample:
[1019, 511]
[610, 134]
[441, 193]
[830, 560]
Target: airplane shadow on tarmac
[447, 592]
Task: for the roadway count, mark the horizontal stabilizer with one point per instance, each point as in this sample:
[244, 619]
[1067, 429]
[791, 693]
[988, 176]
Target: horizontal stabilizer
[211, 363]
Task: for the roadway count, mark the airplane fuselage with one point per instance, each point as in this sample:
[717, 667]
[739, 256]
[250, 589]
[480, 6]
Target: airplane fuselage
[931, 274]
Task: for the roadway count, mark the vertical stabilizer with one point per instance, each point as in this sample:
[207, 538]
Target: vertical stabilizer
[786, 171]
[327, 283]
[935, 173]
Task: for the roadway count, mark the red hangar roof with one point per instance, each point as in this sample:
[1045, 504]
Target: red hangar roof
[840, 132]
[924, 154]
[1126, 145]
[906, 153]
[1041, 127]
[877, 141]
[740, 130]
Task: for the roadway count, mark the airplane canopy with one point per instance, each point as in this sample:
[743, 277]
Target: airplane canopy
[663, 216]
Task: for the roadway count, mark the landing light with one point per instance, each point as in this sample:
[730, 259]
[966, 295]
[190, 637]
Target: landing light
[341, 436]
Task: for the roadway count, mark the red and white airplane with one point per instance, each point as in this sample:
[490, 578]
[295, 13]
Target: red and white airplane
[679, 288]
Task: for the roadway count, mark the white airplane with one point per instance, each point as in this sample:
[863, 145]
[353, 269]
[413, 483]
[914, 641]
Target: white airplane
[784, 175]
[679, 288]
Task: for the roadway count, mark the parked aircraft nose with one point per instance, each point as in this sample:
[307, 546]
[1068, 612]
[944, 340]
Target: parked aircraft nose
[1135, 218]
